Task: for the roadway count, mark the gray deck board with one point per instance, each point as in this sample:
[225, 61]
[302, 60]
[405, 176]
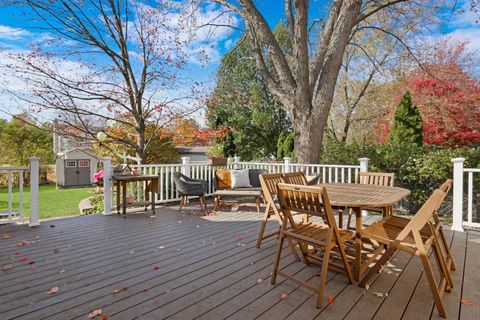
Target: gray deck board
[209, 268]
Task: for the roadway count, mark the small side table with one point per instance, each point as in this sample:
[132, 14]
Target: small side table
[121, 183]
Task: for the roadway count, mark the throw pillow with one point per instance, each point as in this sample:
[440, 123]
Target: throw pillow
[223, 178]
[240, 179]
[253, 176]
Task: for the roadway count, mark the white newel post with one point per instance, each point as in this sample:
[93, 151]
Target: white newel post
[286, 168]
[236, 163]
[363, 164]
[457, 219]
[34, 175]
[186, 166]
[107, 186]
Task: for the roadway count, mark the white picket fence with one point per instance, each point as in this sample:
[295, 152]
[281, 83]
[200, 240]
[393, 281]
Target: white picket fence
[203, 170]
[15, 210]
[459, 172]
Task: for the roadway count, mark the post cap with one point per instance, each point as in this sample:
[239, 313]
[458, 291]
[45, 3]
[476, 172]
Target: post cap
[34, 158]
[287, 158]
[363, 159]
[458, 160]
[107, 158]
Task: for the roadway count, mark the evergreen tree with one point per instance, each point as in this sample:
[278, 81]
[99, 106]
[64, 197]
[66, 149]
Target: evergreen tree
[280, 140]
[289, 145]
[407, 125]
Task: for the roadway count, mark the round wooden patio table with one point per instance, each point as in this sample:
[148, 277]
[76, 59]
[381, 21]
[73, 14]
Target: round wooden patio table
[357, 196]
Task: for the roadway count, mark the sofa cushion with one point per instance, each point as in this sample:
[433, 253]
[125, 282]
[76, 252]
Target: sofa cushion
[223, 177]
[239, 179]
[253, 176]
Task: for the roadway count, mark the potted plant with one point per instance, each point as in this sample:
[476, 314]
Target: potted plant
[215, 155]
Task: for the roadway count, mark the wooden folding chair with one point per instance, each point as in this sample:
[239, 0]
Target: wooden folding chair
[323, 237]
[416, 238]
[269, 189]
[373, 178]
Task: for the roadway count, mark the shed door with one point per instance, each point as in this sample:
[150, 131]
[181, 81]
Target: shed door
[77, 172]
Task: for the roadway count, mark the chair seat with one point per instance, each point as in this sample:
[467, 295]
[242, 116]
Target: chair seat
[387, 230]
[316, 233]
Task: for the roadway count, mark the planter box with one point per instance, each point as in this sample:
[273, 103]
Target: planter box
[220, 161]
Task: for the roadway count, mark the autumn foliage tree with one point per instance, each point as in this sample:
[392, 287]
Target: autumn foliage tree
[447, 96]
[103, 59]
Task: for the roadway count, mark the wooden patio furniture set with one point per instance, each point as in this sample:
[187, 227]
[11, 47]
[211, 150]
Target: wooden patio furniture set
[361, 251]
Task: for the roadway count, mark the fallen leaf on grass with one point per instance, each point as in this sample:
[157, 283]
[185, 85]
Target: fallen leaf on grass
[5, 236]
[53, 290]
[119, 290]
[283, 296]
[466, 302]
[6, 267]
[94, 313]
[23, 259]
[23, 243]
[330, 299]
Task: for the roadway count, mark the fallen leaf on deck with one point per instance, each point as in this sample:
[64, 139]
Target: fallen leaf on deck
[23, 243]
[378, 294]
[31, 262]
[5, 236]
[23, 259]
[132, 252]
[119, 290]
[317, 274]
[240, 238]
[330, 299]
[145, 290]
[52, 226]
[6, 267]
[260, 280]
[161, 247]
[466, 302]
[53, 290]
[283, 296]
[103, 317]
[94, 313]
[61, 271]
[156, 267]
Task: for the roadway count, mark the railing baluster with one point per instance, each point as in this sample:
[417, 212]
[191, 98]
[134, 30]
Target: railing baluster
[20, 190]
[470, 197]
[10, 191]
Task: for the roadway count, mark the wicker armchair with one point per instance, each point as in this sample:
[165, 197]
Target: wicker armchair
[188, 187]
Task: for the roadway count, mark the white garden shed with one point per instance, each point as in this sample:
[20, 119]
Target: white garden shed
[75, 167]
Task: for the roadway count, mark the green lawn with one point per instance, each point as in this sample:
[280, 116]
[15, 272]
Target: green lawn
[52, 202]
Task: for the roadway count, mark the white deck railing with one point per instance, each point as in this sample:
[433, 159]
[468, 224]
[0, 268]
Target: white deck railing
[459, 173]
[16, 212]
[205, 171]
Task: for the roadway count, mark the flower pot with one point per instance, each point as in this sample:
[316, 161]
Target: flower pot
[217, 161]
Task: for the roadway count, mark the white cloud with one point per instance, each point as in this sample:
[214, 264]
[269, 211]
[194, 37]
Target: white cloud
[9, 33]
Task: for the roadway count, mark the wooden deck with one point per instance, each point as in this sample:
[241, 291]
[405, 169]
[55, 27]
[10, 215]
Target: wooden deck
[181, 266]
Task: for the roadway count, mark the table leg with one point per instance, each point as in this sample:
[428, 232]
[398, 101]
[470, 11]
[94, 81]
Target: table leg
[124, 197]
[358, 243]
[117, 185]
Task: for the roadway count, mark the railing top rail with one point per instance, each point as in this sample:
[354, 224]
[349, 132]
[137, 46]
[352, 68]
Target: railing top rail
[13, 168]
[262, 163]
[325, 165]
[471, 169]
[157, 165]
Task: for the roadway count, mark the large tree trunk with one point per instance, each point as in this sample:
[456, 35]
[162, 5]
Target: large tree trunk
[308, 143]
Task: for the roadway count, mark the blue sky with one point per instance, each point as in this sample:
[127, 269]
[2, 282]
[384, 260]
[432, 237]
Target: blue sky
[18, 27]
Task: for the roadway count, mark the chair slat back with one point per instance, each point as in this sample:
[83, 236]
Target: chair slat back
[269, 183]
[295, 178]
[423, 215]
[376, 178]
[306, 199]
